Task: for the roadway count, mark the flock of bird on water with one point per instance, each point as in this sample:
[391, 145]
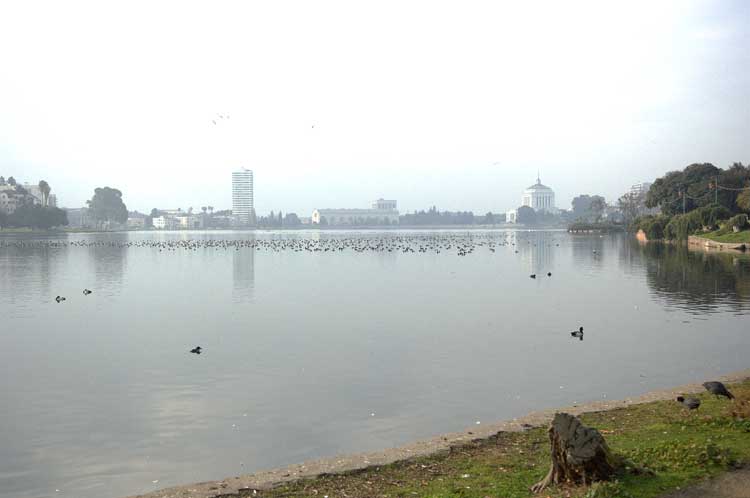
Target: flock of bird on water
[462, 244]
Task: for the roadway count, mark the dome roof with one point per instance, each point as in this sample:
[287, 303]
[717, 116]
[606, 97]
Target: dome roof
[538, 186]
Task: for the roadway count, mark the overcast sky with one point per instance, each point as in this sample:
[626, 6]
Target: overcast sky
[333, 104]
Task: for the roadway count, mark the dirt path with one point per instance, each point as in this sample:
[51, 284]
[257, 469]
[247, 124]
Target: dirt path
[730, 485]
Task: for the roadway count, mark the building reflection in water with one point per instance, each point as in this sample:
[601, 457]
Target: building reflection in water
[537, 250]
[243, 273]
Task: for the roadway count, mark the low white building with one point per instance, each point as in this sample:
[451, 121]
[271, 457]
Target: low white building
[164, 222]
[383, 212]
[385, 205]
[511, 216]
[136, 223]
[355, 217]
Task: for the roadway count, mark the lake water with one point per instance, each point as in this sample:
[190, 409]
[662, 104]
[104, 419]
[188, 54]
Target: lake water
[320, 343]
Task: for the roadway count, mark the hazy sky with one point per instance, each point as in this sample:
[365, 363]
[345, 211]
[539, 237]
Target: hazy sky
[450, 103]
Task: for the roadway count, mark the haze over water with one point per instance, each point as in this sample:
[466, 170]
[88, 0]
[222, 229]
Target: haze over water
[310, 354]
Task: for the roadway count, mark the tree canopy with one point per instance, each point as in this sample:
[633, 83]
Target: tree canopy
[696, 186]
[36, 216]
[107, 206]
[588, 207]
[526, 215]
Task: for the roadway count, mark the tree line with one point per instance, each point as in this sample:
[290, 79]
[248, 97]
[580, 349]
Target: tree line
[700, 198]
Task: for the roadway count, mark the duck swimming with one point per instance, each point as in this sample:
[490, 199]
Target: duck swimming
[578, 333]
[59, 299]
[86, 292]
[196, 350]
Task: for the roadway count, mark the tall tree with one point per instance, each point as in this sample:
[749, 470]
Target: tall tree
[526, 215]
[587, 207]
[107, 207]
[11, 181]
[45, 189]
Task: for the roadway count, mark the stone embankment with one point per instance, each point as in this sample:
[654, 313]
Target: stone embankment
[711, 245]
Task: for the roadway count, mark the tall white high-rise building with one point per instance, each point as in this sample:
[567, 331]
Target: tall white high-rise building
[242, 197]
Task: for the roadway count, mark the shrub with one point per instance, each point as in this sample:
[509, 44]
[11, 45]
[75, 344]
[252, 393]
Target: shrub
[652, 226]
[739, 221]
[682, 225]
[710, 216]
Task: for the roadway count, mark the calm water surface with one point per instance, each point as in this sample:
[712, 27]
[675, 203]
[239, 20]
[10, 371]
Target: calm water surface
[100, 397]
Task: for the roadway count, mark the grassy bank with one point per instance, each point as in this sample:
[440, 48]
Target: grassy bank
[731, 237]
[681, 447]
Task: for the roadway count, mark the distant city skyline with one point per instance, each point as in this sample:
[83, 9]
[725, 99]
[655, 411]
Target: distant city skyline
[457, 107]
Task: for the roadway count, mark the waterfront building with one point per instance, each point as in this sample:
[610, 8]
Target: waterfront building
[539, 197]
[383, 212]
[383, 204]
[511, 216]
[136, 223]
[79, 218]
[242, 197]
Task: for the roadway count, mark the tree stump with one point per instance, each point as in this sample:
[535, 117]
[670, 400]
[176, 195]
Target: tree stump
[579, 454]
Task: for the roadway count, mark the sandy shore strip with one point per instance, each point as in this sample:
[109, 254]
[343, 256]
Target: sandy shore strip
[242, 486]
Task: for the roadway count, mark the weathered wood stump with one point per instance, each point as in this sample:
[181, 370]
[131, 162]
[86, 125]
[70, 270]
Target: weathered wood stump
[579, 454]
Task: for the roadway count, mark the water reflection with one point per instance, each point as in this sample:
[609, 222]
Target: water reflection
[243, 274]
[537, 250]
[109, 262]
[101, 401]
[693, 279]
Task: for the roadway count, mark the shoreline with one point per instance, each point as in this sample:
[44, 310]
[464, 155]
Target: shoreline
[713, 246]
[243, 485]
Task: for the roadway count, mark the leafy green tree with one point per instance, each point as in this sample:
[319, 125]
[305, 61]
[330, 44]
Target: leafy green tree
[489, 218]
[107, 207]
[2, 180]
[35, 216]
[696, 186]
[291, 220]
[630, 205]
[743, 200]
[12, 181]
[526, 215]
[588, 207]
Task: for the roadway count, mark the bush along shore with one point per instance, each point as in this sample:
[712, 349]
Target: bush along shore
[710, 222]
[663, 446]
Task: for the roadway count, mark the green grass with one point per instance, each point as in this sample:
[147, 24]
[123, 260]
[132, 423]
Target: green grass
[680, 447]
[731, 237]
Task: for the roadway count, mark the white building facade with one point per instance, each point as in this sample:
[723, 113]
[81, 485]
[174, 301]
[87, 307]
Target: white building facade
[383, 212]
[539, 197]
[242, 197]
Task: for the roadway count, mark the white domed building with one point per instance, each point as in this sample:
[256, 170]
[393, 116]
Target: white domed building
[540, 197]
